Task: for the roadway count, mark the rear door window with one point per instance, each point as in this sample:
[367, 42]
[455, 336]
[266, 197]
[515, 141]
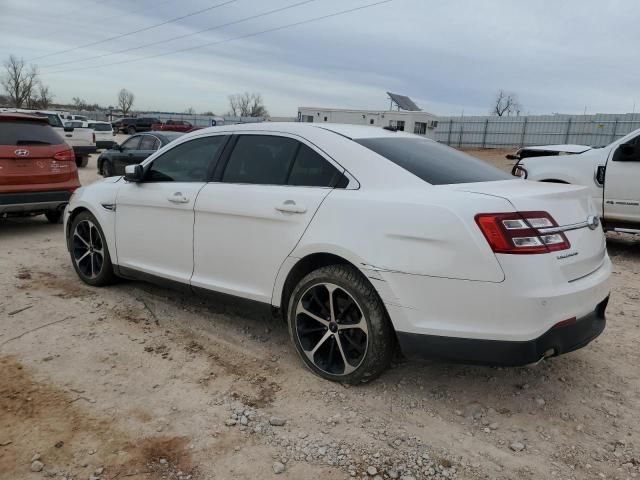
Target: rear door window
[28, 133]
[149, 142]
[433, 162]
[261, 160]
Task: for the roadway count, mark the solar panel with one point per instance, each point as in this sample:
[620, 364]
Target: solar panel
[404, 102]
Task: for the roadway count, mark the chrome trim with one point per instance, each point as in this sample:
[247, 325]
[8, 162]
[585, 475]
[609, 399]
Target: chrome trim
[565, 228]
[626, 230]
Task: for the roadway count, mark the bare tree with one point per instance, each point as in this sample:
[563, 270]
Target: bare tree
[506, 104]
[190, 111]
[45, 97]
[19, 81]
[247, 105]
[125, 100]
[79, 103]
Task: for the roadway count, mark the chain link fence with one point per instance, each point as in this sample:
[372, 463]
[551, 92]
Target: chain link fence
[502, 132]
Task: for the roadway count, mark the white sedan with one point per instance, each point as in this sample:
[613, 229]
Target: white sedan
[365, 239]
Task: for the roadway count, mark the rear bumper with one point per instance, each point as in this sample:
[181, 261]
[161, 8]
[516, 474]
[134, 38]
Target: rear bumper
[30, 202]
[556, 341]
[83, 150]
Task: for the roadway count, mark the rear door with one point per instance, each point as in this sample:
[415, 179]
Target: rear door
[622, 185]
[250, 220]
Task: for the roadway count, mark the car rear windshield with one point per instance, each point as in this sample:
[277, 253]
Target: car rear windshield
[28, 133]
[433, 162]
[101, 127]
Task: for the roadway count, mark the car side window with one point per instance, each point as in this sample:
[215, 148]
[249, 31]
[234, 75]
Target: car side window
[148, 142]
[261, 160]
[311, 170]
[131, 144]
[187, 162]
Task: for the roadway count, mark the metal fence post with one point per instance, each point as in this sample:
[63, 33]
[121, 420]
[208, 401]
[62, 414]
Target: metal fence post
[461, 132]
[449, 134]
[566, 136]
[615, 129]
[484, 134]
[524, 132]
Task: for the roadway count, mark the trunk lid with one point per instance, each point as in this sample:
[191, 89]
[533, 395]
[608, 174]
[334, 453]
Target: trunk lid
[569, 205]
[34, 165]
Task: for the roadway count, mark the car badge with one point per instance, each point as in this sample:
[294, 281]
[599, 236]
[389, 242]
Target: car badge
[21, 152]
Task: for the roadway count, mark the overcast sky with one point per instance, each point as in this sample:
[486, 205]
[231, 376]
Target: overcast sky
[448, 55]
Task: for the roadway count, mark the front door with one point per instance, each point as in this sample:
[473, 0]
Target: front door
[154, 218]
[250, 220]
[122, 157]
[622, 184]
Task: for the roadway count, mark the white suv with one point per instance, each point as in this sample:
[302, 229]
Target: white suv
[362, 237]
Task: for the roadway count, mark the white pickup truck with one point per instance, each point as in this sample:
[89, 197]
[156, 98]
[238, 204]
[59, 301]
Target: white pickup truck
[611, 173]
[82, 140]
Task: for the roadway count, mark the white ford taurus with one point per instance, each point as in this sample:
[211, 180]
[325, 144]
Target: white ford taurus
[365, 239]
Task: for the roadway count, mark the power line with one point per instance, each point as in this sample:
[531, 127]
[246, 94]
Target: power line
[136, 31]
[246, 19]
[254, 34]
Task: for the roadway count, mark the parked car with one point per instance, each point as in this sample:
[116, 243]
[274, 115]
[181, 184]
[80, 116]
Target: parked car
[547, 151]
[132, 125]
[81, 118]
[82, 140]
[38, 172]
[133, 150]
[175, 126]
[611, 173]
[75, 124]
[362, 237]
[104, 133]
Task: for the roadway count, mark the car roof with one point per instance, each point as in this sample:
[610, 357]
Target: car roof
[299, 128]
[9, 116]
[165, 136]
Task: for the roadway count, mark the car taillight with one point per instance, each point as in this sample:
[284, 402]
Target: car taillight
[521, 232]
[65, 155]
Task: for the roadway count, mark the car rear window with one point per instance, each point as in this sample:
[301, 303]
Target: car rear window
[433, 162]
[28, 133]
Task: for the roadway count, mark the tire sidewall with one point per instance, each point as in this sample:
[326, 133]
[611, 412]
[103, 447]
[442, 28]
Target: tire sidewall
[378, 353]
[107, 168]
[106, 274]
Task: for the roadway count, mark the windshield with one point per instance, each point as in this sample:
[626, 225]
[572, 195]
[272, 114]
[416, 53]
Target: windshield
[54, 119]
[433, 162]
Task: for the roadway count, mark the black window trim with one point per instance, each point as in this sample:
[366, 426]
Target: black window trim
[352, 183]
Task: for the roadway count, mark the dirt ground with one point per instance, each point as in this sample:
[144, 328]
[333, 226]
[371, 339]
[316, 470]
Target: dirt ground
[134, 381]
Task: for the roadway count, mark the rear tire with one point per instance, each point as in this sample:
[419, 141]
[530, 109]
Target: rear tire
[82, 162]
[339, 325]
[131, 130]
[54, 216]
[89, 251]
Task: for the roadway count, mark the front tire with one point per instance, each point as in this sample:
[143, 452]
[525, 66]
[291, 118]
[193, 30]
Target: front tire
[339, 325]
[107, 169]
[131, 130]
[89, 251]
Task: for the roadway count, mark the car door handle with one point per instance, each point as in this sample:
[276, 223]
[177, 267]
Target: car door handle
[290, 207]
[178, 197]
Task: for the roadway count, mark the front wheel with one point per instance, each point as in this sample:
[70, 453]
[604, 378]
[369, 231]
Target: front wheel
[107, 169]
[339, 325]
[131, 130]
[89, 251]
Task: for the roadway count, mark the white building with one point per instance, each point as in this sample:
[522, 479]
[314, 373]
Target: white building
[412, 121]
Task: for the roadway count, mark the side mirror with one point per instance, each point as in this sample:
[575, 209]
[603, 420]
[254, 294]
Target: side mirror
[133, 173]
[68, 129]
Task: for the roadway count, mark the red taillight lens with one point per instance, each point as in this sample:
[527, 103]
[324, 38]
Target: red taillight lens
[65, 155]
[521, 232]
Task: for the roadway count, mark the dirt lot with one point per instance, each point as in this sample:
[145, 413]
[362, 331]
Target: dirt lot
[134, 381]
